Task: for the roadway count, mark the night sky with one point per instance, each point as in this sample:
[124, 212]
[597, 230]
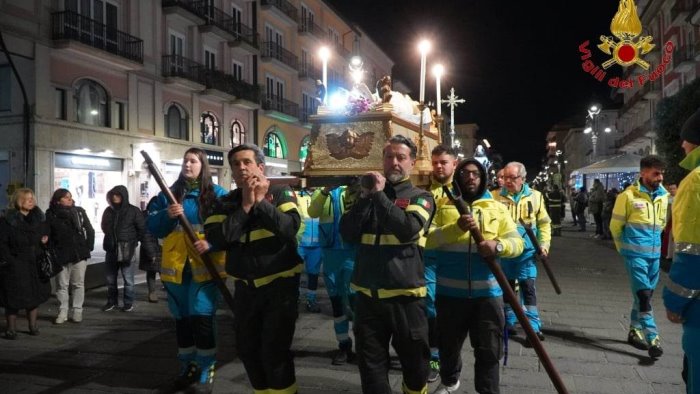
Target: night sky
[515, 62]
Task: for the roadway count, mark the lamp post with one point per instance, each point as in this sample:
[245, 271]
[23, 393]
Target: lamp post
[325, 54]
[593, 128]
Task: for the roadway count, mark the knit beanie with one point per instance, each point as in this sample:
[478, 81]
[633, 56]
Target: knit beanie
[691, 129]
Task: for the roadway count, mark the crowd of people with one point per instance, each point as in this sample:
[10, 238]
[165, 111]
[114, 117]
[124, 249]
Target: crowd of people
[393, 255]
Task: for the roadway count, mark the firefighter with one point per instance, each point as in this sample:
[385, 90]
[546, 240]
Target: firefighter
[469, 300]
[527, 204]
[555, 201]
[388, 222]
[682, 293]
[328, 205]
[638, 217]
[444, 161]
[257, 225]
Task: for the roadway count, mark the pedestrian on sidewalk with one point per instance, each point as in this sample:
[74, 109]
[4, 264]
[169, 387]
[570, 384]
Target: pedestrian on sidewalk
[596, 198]
[682, 293]
[581, 205]
[123, 226]
[257, 224]
[528, 205]
[192, 294]
[388, 222]
[72, 238]
[469, 300]
[150, 257]
[328, 205]
[23, 235]
[606, 214]
[638, 217]
[309, 248]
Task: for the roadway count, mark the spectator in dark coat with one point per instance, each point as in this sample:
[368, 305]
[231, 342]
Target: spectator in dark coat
[73, 238]
[22, 233]
[581, 204]
[150, 262]
[124, 226]
[606, 214]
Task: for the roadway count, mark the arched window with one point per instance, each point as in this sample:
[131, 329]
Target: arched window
[275, 145]
[91, 103]
[209, 127]
[176, 123]
[237, 133]
[304, 148]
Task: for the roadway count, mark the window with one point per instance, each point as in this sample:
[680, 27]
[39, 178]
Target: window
[304, 149]
[101, 11]
[237, 18]
[59, 103]
[237, 133]
[209, 129]
[176, 123]
[209, 59]
[333, 35]
[274, 145]
[118, 113]
[308, 106]
[307, 19]
[237, 71]
[5, 85]
[91, 103]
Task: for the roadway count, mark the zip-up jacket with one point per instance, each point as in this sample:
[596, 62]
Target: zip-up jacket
[123, 223]
[261, 244]
[528, 205]
[461, 271]
[308, 230]
[682, 293]
[177, 250]
[638, 218]
[329, 209]
[389, 228]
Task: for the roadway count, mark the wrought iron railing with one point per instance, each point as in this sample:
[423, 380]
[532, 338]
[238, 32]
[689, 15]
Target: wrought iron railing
[182, 67]
[683, 54]
[307, 70]
[216, 17]
[276, 51]
[283, 5]
[307, 25]
[72, 26]
[277, 103]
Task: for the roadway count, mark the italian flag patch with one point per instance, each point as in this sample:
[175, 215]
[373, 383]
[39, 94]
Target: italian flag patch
[423, 203]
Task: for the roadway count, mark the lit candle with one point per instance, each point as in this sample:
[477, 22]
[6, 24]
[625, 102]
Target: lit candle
[324, 54]
[438, 69]
[423, 47]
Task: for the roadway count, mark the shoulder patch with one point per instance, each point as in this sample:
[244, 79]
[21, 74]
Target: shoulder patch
[423, 203]
[402, 202]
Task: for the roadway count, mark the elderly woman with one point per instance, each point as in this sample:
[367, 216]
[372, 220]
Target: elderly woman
[22, 233]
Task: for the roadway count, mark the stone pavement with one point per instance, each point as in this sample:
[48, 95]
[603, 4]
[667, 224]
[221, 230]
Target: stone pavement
[586, 329]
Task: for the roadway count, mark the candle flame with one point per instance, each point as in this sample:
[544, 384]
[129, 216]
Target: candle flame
[626, 24]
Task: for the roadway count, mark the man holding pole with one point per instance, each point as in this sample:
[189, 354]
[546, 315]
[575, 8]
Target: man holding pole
[257, 225]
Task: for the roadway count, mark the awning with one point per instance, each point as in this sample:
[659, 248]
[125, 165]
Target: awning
[621, 163]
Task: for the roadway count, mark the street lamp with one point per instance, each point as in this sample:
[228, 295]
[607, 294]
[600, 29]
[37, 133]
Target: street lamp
[593, 128]
[325, 54]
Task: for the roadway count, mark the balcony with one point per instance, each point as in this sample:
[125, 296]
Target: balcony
[680, 11]
[280, 108]
[632, 138]
[274, 51]
[309, 71]
[282, 8]
[341, 51]
[69, 28]
[245, 37]
[183, 71]
[684, 59]
[651, 90]
[307, 27]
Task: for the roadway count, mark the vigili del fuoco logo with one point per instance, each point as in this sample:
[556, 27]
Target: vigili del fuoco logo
[626, 49]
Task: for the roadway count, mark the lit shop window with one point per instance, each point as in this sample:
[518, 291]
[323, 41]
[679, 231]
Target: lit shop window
[91, 103]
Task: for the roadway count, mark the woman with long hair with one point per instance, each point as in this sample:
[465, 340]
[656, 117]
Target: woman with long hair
[192, 295]
[73, 238]
[23, 232]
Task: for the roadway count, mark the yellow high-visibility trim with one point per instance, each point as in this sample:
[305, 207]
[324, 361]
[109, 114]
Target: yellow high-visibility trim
[266, 280]
[215, 219]
[418, 209]
[388, 293]
[289, 390]
[287, 206]
[390, 239]
[266, 391]
[258, 234]
[406, 390]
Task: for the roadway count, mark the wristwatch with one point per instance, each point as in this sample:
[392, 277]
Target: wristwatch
[499, 247]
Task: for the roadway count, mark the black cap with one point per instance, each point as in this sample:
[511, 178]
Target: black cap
[691, 129]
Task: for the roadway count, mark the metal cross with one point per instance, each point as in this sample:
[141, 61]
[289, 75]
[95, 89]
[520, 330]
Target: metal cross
[452, 101]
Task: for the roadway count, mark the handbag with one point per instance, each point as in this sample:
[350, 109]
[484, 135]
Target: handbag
[48, 264]
[125, 252]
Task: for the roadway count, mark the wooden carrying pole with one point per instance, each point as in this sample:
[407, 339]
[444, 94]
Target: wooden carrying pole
[189, 231]
[542, 258]
[510, 297]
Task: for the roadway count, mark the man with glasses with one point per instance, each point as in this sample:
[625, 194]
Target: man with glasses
[527, 204]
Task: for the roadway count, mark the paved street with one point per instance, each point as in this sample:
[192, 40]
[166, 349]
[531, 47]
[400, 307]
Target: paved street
[586, 330]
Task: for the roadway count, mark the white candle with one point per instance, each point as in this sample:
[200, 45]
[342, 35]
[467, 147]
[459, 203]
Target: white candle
[324, 54]
[438, 69]
[424, 47]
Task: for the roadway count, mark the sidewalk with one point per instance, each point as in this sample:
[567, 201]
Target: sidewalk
[585, 327]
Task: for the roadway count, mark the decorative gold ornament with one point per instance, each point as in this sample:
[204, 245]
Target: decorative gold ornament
[626, 26]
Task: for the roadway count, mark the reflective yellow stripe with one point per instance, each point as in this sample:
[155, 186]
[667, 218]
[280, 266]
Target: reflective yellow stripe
[289, 390]
[287, 206]
[640, 248]
[215, 219]
[265, 280]
[388, 293]
[687, 248]
[406, 390]
[389, 239]
[420, 210]
[258, 234]
[681, 291]
[266, 391]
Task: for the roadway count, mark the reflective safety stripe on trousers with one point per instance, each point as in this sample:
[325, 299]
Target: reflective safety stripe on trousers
[293, 389]
[265, 280]
[687, 248]
[388, 293]
[389, 239]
